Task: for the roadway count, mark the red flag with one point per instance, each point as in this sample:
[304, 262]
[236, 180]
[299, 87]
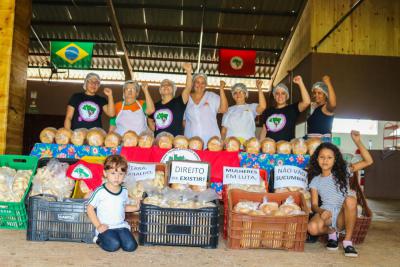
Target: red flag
[237, 62]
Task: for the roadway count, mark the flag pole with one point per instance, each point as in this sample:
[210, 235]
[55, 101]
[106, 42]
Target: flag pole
[201, 41]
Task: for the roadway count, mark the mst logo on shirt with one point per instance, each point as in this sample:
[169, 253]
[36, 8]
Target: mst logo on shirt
[81, 172]
[163, 118]
[276, 122]
[88, 111]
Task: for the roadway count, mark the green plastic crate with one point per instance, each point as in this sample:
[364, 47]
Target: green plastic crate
[13, 214]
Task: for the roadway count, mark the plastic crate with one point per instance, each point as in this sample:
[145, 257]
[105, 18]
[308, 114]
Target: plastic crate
[13, 214]
[263, 175]
[51, 220]
[178, 227]
[286, 232]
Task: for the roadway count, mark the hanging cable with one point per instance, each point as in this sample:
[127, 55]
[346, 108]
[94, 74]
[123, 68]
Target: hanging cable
[201, 39]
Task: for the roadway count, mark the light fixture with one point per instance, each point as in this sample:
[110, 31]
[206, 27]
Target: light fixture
[119, 52]
[32, 106]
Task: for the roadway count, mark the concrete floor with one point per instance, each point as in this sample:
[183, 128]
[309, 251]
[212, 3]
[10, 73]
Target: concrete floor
[381, 248]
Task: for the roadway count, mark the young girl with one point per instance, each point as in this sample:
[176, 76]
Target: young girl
[329, 177]
[110, 201]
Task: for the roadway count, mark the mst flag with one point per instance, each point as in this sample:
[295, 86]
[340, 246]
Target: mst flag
[71, 55]
[237, 62]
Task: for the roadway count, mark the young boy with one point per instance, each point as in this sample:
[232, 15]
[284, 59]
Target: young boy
[107, 206]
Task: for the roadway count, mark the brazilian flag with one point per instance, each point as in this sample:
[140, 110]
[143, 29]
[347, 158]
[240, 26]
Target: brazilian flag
[71, 55]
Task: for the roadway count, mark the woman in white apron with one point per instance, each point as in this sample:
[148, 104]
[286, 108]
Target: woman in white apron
[131, 114]
[239, 120]
[202, 108]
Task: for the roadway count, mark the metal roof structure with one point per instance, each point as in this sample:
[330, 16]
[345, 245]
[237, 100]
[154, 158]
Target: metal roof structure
[161, 34]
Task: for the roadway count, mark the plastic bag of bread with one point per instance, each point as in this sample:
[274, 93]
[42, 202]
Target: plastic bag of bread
[215, 144]
[63, 136]
[283, 147]
[181, 142]
[312, 144]
[51, 179]
[196, 143]
[252, 146]
[21, 182]
[130, 139]
[79, 136]
[232, 144]
[289, 207]
[47, 135]
[164, 140]
[198, 188]
[268, 208]
[146, 139]
[95, 137]
[268, 146]
[112, 140]
[246, 206]
[203, 199]
[179, 186]
[281, 190]
[299, 146]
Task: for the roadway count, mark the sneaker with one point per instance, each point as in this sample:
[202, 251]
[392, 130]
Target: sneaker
[350, 251]
[332, 245]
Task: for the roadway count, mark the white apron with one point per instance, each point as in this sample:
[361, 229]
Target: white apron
[131, 120]
[241, 124]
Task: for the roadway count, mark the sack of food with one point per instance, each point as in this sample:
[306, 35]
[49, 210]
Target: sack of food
[63, 136]
[232, 144]
[146, 139]
[299, 146]
[215, 144]
[283, 147]
[289, 207]
[95, 137]
[130, 139]
[196, 143]
[312, 144]
[252, 146]
[164, 140]
[268, 208]
[268, 146]
[79, 136]
[47, 135]
[181, 141]
[112, 140]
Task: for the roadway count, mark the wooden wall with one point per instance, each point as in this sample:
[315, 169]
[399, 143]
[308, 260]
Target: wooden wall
[372, 29]
[7, 8]
[18, 79]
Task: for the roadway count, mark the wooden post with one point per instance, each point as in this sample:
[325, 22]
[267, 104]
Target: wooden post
[15, 19]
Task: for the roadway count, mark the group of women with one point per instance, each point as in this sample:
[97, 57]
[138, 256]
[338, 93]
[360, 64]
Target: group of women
[194, 111]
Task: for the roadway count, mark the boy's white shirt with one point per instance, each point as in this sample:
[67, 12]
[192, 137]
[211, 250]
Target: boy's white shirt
[110, 208]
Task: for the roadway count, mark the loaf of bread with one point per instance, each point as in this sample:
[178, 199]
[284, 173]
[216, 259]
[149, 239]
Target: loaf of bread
[47, 135]
[130, 139]
[63, 136]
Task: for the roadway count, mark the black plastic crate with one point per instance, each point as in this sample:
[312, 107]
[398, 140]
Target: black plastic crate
[51, 220]
[178, 227]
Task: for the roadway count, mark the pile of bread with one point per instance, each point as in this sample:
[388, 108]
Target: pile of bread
[181, 199]
[52, 179]
[13, 184]
[269, 208]
[136, 189]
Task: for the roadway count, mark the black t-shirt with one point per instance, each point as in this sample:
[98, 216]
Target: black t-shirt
[88, 110]
[319, 123]
[168, 117]
[281, 123]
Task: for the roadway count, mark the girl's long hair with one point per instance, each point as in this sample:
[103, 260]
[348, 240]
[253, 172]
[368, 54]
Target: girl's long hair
[339, 168]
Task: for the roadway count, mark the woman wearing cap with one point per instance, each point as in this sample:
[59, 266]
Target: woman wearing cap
[279, 122]
[131, 114]
[202, 108]
[168, 115]
[319, 123]
[84, 109]
[239, 120]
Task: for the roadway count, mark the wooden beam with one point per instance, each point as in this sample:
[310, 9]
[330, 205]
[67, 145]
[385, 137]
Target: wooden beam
[120, 41]
[7, 15]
